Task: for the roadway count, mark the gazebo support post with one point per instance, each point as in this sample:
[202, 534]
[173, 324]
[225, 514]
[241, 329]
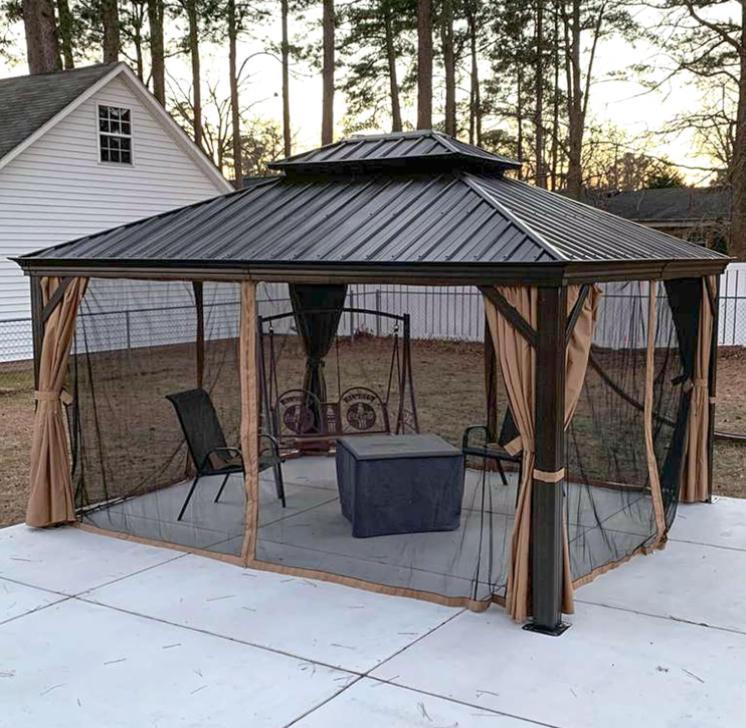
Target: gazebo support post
[714, 294]
[200, 333]
[37, 324]
[547, 498]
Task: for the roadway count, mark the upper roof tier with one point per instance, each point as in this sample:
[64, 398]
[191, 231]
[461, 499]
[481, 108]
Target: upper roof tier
[420, 150]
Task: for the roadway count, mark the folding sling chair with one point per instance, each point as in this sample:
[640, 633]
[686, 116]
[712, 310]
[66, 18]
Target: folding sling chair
[208, 448]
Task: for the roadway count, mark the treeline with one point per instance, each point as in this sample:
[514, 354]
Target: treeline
[514, 76]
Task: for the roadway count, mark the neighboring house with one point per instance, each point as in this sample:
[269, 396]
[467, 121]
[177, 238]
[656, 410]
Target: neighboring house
[82, 151]
[698, 214]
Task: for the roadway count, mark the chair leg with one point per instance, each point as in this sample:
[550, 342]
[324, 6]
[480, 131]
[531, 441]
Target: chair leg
[279, 484]
[502, 472]
[220, 491]
[189, 497]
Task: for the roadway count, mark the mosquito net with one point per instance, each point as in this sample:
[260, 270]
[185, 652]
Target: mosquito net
[155, 429]
[136, 453]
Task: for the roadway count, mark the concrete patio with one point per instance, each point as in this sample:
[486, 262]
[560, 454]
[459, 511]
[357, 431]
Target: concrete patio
[97, 631]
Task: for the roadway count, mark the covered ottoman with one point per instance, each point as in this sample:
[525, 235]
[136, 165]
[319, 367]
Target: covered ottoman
[399, 484]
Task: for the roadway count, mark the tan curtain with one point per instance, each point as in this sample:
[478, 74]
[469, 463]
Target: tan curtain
[695, 483]
[51, 498]
[249, 414]
[518, 366]
[517, 360]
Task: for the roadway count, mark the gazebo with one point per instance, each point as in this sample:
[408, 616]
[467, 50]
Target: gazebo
[206, 380]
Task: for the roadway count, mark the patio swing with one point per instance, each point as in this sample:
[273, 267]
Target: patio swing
[306, 418]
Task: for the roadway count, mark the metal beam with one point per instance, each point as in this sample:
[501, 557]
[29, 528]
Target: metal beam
[511, 314]
[547, 498]
[576, 311]
[55, 298]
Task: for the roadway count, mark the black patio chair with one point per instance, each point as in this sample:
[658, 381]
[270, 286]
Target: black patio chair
[476, 442]
[208, 448]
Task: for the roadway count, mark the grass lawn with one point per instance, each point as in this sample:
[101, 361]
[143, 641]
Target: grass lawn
[448, 380]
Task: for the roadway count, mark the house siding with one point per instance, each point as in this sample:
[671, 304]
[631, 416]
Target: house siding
[57, 190]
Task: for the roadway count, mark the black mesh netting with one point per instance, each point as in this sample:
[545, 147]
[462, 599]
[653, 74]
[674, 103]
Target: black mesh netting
[401, 512]
[610, 507]
[156, 385]
[136, 344]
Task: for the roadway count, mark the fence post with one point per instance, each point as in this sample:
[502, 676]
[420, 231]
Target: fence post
[127, 329]
[352, 316]
[378, 308]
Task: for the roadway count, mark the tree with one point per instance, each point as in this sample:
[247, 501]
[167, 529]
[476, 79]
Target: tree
[449, 65]
[110, 24]
[65, 31]
[327, 101]
[664, 179]
[373, 84]
[711, 46]
[157, 60]
[585, 21]
[424, 64]
[285, 62]
[539, 50]
[42, 48]
[132, 28]
[473, 12]
[193, 14]
[233, 23]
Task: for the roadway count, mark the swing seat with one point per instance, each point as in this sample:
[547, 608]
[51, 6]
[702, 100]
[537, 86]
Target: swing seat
[359, 411]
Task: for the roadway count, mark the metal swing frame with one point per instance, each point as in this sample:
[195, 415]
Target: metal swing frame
[403, 363]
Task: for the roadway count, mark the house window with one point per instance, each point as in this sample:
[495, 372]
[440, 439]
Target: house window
[115, 134]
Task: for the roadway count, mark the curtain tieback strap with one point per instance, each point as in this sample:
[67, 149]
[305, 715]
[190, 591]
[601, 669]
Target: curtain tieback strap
[546, 476]
[690, 384]
[51, 396]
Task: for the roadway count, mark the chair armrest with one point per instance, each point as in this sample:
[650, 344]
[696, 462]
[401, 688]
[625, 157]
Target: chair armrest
[234, 451]
[275, 445]
[473, 429]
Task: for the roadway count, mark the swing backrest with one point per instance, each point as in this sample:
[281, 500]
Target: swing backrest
[362, 411]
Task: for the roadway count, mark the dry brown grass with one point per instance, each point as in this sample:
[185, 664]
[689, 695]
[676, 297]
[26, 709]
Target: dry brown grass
[450, 396]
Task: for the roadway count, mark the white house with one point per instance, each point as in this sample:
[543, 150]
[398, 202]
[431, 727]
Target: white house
[82, 151]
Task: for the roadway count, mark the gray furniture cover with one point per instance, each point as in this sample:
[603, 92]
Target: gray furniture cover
[399, 484]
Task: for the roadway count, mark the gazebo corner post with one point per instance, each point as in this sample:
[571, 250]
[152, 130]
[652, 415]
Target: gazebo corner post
[199, 306]
[547, 509]
[37, 324]
[714, 293]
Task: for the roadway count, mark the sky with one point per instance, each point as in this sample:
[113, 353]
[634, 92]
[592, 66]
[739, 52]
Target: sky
[625, 103]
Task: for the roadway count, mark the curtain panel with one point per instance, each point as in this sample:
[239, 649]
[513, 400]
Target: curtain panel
[517, 360]
[51, 495]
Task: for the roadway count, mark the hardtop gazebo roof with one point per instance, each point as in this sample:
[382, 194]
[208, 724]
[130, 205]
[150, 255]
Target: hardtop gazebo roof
[419, 205]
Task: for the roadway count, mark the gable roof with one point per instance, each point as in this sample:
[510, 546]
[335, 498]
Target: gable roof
[33, 104]
[669, 205]
[423, 149]
[29, 102]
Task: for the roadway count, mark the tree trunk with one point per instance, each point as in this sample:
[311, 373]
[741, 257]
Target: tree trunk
[327, 75]
[66, 33]
[42, 49]
[541, 177]
[157, 64]
[574, 108]
[137, 25]
[285, 51]
[449, 66]
[555, 103]
[424, 64]
[235, 109]
[475, 101]
[396, 124]
[110, 22]
[196, 74]
[519, 118]
[737, 246]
